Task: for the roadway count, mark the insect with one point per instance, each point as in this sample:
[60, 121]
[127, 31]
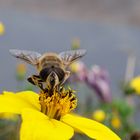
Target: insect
[51, 67]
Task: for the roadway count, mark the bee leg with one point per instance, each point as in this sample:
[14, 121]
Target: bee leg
[60, 89]
[59, 86]
[36, 80]
[67, 75]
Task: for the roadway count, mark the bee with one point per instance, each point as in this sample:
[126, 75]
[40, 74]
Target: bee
[51, 67]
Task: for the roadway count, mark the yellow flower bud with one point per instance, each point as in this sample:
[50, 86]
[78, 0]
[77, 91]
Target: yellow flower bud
[76, 43]
[115, 122]
[21, 71]
[2, 28]
[75, 67]
[99, 115]
[135, 84]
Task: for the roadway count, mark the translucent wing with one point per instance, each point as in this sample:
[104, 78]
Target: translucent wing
[27, 56]
[69, 56]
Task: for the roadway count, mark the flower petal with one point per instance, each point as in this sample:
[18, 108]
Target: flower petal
[37, 126]
[14, 103]
[91, 128]
[30, 97]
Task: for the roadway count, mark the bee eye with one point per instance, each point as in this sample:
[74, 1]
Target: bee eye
[44, 73]
[60, 73]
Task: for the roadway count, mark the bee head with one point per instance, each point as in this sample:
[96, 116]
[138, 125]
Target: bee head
[52, 75]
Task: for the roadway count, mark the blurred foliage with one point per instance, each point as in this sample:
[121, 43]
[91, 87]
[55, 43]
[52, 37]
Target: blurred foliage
[9, 128]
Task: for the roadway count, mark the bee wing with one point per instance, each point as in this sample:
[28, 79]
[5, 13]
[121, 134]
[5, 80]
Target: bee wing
[69, 56]
[27, 56]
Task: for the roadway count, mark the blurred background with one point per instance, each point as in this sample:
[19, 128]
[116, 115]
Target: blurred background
[108, 29]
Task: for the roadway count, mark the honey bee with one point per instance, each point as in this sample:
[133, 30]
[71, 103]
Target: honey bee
[51, 67]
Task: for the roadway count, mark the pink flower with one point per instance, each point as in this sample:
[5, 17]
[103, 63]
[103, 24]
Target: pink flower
[98, 79]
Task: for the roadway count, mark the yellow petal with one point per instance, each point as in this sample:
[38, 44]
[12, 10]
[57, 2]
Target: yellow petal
[14, 103]
[37, 126]
[30, 97]
[91, 128]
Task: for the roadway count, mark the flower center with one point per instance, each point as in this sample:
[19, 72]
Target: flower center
[57, 104]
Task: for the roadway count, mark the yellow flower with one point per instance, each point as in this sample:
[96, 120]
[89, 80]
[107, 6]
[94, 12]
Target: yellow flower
[135, 84]
[75, 67]
[21, 71]
[115, 122]
[99, 115]
[46, 116]
[2, 28]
